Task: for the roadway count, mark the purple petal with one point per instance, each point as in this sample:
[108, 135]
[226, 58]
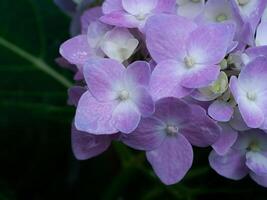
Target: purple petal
[144, 102]
[92, 14]
[85, 146]
[226, 140]
[126, 117]
[167, 6]
[148, 135]
[165, 37]
[102, 76]
[135, 7]
[237, 121]
[252, 115]
[200, 130]
[165, 81]
[75, 94]
[76, 50]
[169, 110]
[260, 179]
[110, 6]
[139, 72]
[93, 116]
[120, 19]
[257, 162]
[231, 165]
[221, 111]
[208, 44]
[172, 159]
[200, 76]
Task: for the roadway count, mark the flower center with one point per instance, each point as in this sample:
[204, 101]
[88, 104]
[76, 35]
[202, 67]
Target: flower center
[124, 95]
[189, 62]
[243, 2]
[195, 1]
[254, 146]
[171, 130]
[221, 18]
[251, 96]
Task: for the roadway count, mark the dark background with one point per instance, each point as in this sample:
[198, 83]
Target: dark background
[36, 162]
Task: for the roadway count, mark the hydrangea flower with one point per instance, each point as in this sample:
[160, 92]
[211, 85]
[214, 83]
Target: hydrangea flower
[176, 92]
[116, 97]
[183, 63]
[250, 90]
[246, 156]
[134, 13]
[167, 136]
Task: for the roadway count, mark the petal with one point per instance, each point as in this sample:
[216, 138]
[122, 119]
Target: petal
[226, 140]
[139, 72]
[144, 102]
[110, 6]
[208, 44]
[231, 165]
[251, 113]
[200, 130]
[172, 159]
[89, 16]
[76, 50]
[257, 162]
[126, 117]
[75, 94]
[102, 77]
[137, 7]
[253, 75]
[221, 111]
[191, 9]
[165, 37]
[260, 179]
[86, 146]
[261, 34]
[148, 136]
[237, 121]
[120, 19]
[94, 117]
[200, 76]
[169, 111]
[165, 81]
[119, 44]
[167, 6]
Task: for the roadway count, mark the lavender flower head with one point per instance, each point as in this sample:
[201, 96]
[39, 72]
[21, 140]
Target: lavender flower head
[161, 76]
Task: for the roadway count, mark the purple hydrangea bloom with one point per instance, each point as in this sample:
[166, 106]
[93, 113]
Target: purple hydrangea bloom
[116, 97]
[187, 57]
[248, 155]
[167, 136]
[249, 91]
[134, 13]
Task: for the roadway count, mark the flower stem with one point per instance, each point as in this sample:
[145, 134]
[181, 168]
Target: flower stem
[37, 62]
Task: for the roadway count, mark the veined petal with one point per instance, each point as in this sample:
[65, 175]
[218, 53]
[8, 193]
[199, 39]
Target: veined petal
[166, 81]
[148, 136]
[165, 38]
[126, 116]
[93, 116]
[231, 165]
[172, 159]
[102, 77]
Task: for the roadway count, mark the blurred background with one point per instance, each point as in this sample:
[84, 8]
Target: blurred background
[36, 161]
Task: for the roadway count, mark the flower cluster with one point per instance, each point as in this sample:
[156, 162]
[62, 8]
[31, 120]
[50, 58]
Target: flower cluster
[163, 75]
